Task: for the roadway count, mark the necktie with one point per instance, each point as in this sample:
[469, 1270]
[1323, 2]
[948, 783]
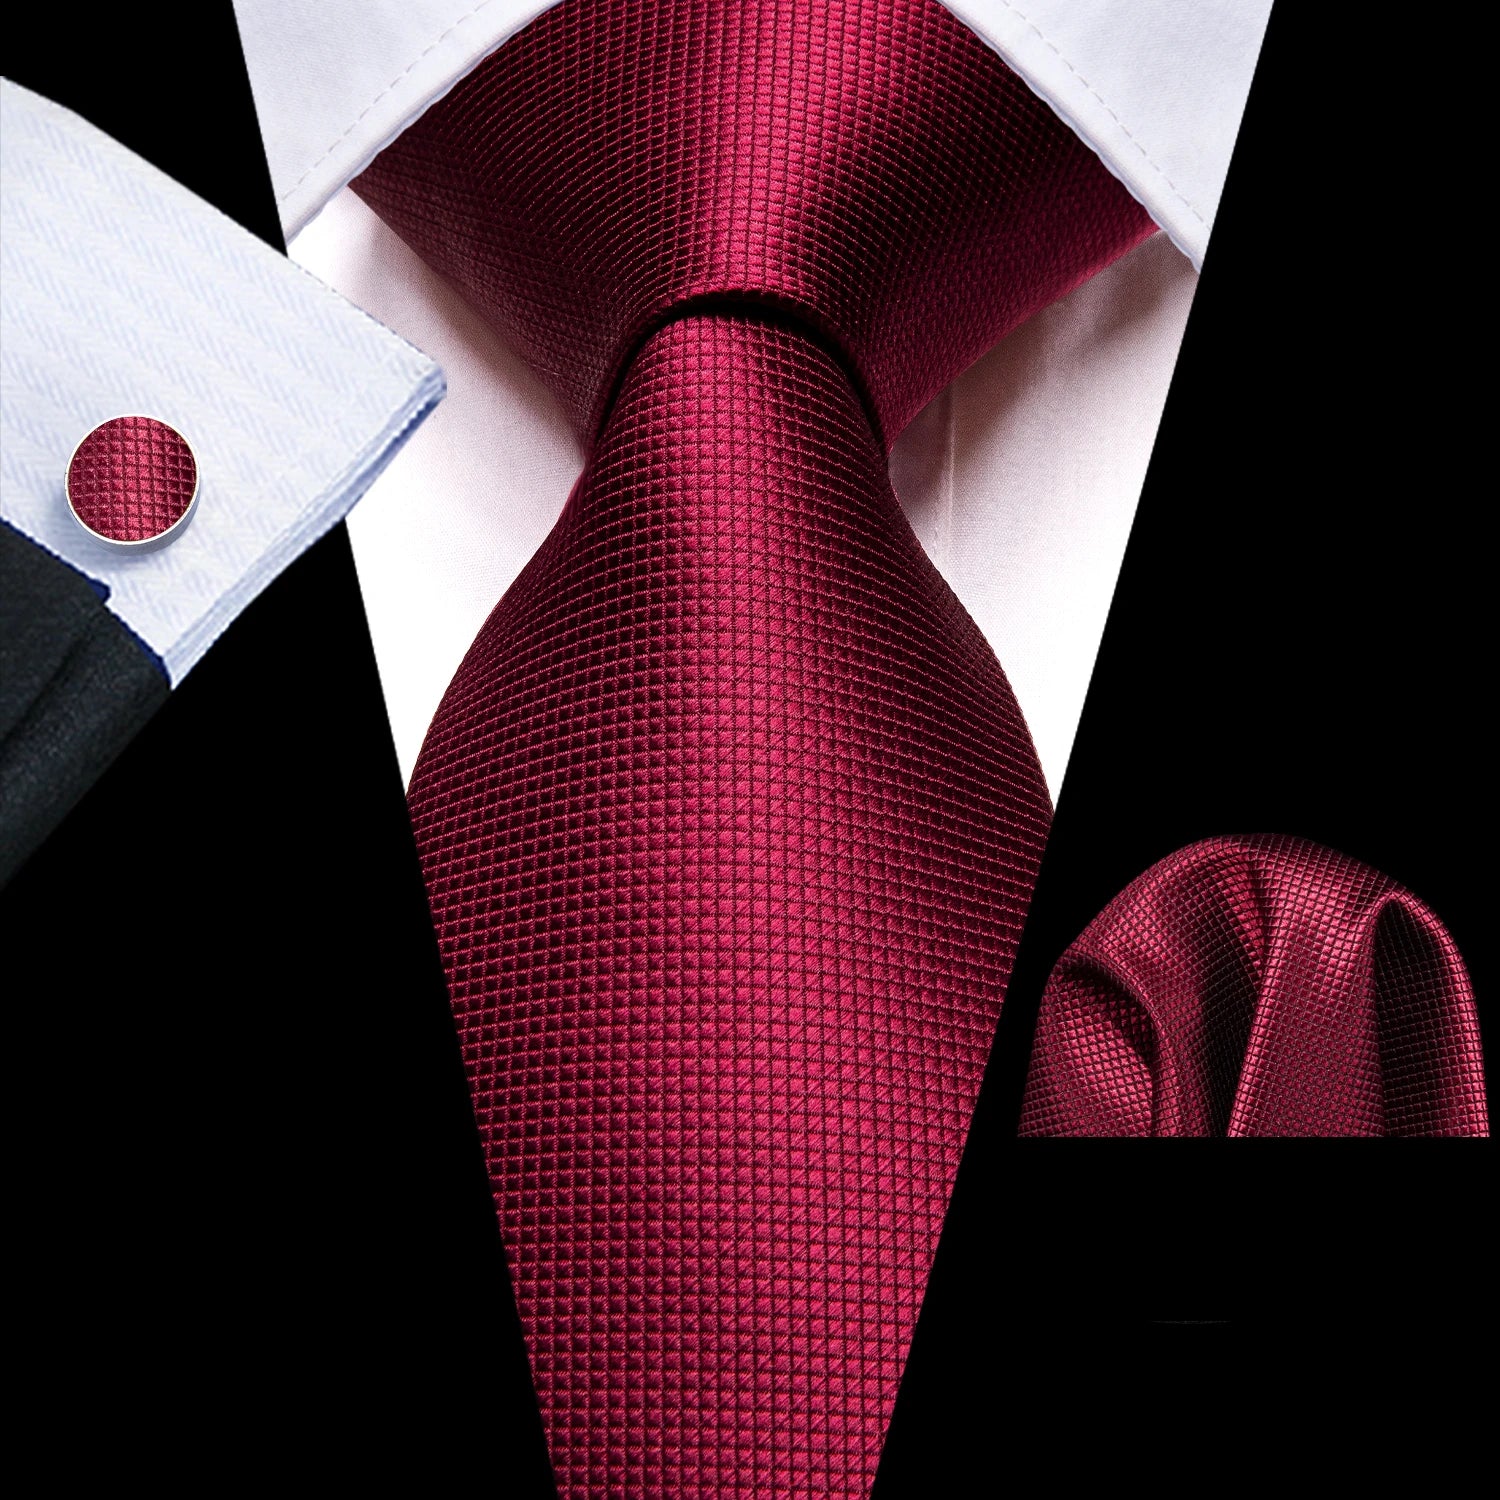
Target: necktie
[729, 818]
[1258, 986]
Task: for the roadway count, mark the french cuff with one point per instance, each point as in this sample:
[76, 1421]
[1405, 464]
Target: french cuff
[121, 293]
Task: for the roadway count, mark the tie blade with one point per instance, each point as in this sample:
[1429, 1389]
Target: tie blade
[729, 822]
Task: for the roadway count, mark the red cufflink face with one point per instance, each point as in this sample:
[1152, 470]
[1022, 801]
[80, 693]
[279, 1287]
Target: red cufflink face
[133, 482]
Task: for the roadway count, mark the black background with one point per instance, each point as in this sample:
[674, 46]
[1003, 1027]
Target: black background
[247, 1195]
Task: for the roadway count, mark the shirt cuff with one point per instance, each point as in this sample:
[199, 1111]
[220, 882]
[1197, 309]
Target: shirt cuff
[123, 293]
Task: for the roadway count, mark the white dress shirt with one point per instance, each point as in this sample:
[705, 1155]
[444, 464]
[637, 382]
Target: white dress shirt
[1021, 479]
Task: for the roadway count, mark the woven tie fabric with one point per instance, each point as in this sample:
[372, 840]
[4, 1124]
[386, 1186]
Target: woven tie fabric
[132, 478]
[1259, 986]
[729, 818]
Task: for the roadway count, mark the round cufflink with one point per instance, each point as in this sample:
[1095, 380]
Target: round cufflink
[133, 483]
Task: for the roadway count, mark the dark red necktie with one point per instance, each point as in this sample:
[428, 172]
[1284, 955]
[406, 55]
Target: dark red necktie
[729, 818]
[1259, 986]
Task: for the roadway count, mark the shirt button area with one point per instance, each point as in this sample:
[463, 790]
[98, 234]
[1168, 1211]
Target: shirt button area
[133, 483]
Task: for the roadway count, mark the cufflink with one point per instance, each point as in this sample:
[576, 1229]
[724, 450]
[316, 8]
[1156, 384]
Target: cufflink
[132, 483]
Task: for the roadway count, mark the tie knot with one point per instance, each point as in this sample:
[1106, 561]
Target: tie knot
[867, 168]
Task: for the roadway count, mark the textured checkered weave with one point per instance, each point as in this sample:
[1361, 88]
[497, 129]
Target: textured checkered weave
[131, 479]
[1259, 986]
[729, 818]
